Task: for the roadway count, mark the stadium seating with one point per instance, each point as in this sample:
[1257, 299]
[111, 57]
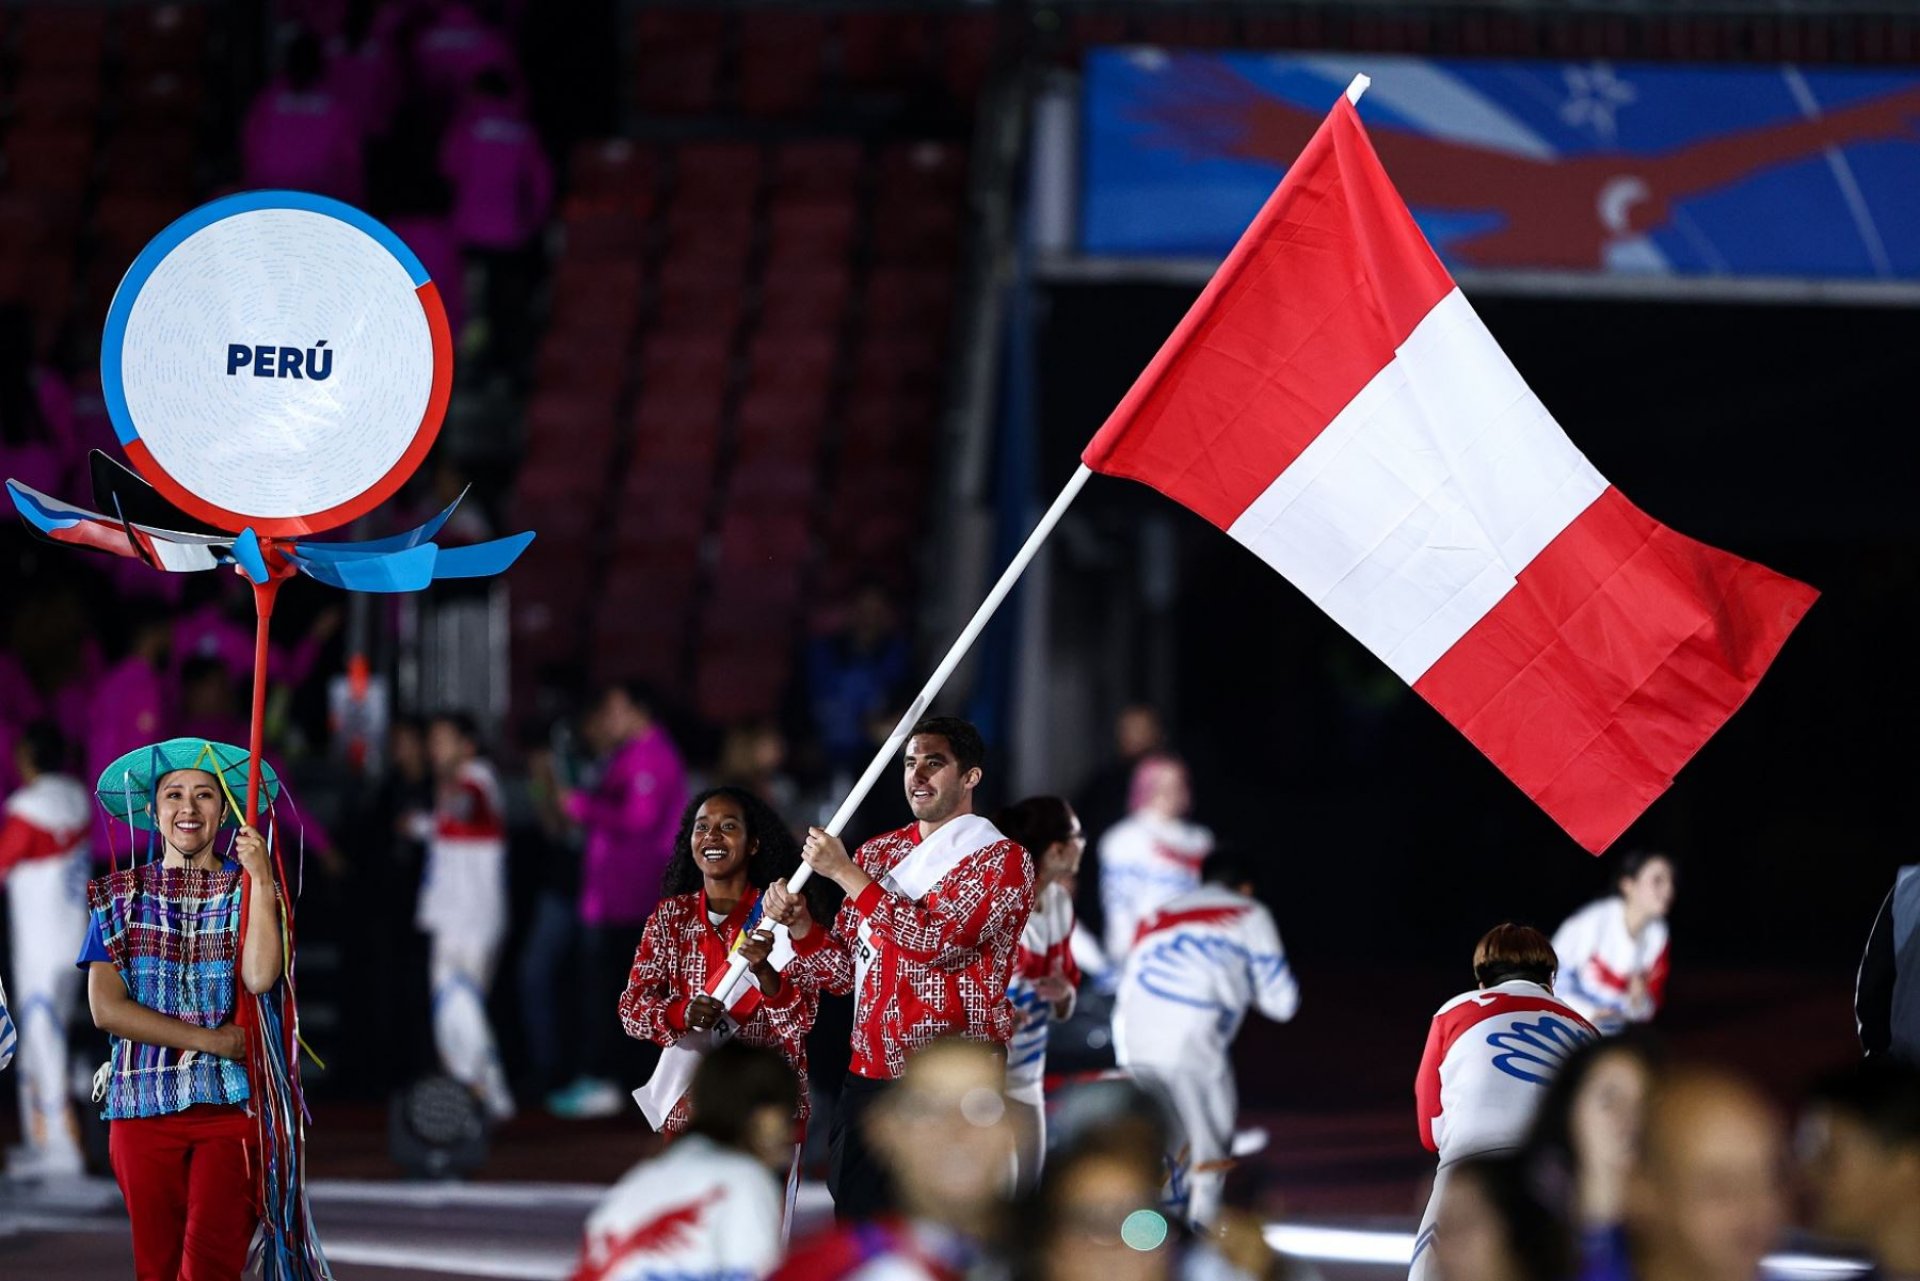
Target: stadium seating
[773, 284]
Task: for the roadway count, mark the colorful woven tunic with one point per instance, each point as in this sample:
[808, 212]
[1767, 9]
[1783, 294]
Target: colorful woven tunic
[173, 935]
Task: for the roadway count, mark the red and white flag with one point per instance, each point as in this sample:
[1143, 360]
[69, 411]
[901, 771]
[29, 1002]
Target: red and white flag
[1334, 404]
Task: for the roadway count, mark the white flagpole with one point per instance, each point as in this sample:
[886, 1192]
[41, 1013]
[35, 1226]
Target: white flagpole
[737, 967]
[924, 699]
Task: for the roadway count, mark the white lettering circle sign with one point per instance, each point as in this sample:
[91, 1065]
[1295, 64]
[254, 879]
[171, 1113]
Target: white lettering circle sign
[276, 360]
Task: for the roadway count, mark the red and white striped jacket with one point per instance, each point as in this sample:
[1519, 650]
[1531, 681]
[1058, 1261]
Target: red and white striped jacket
[1490, 1055]
[47, 818]
[463, 884]
[679, 950]
[1599, 960]
[938, 964]
[1046, 951]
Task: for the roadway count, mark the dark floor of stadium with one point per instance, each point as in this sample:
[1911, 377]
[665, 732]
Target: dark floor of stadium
[1342, 1178]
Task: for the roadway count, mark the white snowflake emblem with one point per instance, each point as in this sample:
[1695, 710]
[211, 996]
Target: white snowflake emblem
[1594, 95]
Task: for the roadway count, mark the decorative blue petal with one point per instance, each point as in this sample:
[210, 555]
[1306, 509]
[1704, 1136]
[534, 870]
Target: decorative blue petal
[482, 560]
[246, 550]
[402, 571]
[397, 542]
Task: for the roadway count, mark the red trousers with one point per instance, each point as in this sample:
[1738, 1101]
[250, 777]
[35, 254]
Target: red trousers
[188, 1182]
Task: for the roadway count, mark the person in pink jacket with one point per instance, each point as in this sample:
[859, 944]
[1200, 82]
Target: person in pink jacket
[129, 705]
[628, 822]
[422, 217]
[502, 197]
[221, 627]
[302, 134]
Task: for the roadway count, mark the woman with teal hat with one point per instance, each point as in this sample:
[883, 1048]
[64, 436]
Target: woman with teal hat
[164, 962]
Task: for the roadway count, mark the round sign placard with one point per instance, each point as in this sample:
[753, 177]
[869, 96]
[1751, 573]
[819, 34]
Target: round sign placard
[276, 360]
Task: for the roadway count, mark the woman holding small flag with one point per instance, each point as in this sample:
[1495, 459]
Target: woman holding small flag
[731, 846]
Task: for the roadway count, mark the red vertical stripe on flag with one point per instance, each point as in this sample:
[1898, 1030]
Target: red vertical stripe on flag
[1328, 281]
[1622, 649]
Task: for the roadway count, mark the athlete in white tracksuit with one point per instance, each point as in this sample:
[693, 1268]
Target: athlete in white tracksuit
[1150, 856]
[43, 864]
[710, 1206]
[1613, 951]
[463, 907]
[1198, 963]
[1490, 1055]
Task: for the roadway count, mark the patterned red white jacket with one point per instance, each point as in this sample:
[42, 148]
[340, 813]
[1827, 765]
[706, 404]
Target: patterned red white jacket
[679, 949]
[939, 964]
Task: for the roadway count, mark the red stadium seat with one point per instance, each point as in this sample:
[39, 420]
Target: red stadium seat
[698, 363]
[923, 168]
[968, 43]
[56, 97]
[773, 424]
[804, 301]
[39, 280]
[52, 159]
[889, 362]
[718, 172]
[736, 685]
[909, 299]
[655, 479]
[680, 424]
[689, 287]
[819, 166]
[588, 357]
[572, 413]
[717, 238]
[796, 364]
[813, 227]
[756, 484]
[164, 37]
[126, 221]
[923, 230]
[606, 229]
[61, 37]
[637, 590]
[162, 97]
[612, 169]
[651, 648]
[590, 282]
[677, 59]
[151, 159]
[885, 50]
[35, 223]
[780, 61]
[650, 526]
[752, 608]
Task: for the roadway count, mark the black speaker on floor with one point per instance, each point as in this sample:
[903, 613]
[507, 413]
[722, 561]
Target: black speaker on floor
[437, 1129]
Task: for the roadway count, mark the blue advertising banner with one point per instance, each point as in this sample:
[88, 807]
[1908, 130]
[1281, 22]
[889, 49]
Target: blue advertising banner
[1657, 170]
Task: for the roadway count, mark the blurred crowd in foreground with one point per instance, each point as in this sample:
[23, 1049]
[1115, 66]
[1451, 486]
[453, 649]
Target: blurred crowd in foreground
[1636, 1167]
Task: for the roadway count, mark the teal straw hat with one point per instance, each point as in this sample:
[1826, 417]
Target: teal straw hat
[126, 787]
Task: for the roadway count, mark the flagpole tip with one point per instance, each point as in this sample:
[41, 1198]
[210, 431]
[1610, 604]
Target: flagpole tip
[1358, 87]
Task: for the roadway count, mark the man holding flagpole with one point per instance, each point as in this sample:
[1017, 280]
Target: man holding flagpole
[925, 940]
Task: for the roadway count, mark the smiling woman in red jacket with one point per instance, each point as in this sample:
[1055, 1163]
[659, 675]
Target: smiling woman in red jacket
[730, 847]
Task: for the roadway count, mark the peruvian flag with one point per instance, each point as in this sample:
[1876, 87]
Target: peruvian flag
[1334, 404]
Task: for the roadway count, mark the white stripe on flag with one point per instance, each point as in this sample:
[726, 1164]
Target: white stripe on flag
[1412, 513]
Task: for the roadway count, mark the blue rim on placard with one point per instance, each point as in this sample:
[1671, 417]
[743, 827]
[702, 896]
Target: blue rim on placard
[113, 343]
